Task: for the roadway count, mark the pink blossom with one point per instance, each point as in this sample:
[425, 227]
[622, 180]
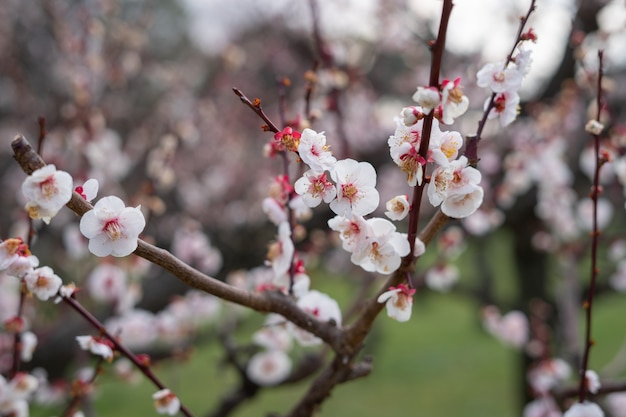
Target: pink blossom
[112, 228]
[511, 329]
[43, 282]
[314, 152]
[548, 374]
[356, 192]
[166, 402]
[269, 367]
[315, 187]
[616, 404]
[398, 301]
[47, 191]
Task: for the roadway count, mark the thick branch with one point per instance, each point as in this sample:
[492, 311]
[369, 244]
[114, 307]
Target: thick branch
[274, 302]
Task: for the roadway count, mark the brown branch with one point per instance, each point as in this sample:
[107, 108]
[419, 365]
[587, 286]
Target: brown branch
[269, 301]
[256, 107]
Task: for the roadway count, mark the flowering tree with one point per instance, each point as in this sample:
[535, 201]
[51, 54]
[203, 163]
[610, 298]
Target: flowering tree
[446, 175]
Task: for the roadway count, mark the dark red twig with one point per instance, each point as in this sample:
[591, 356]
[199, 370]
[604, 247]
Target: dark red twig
[595, 234]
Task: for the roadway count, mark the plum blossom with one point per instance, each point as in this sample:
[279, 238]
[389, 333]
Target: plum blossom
[542, 407]
[16, 258]
[89, 190]
[498, 78]
[287, 139]
[442, 277]
[112, 228]
[594, 127]
[428, 98]
[398, 301]
[548, 374]
[444, 147]
[586, 409]
[274, 335]
[320, 306]
[398, 207]
[453, 102]
[96, 345]
[511, 329]
[592, 381]
[356, 192]
[166, 402]
[28, 341]
[47, 191]
[314, 152]
[353, 231]
[43, 282]
[505, 106]
[411, 115]
[269, 367]
[280, 253]
[404, 147]
[616, 404]
[274, 210]
[383, 249]
[315, 187]
[456, 188]
[107, 283]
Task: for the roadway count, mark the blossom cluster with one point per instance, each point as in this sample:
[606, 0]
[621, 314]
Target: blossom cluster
[453, 184]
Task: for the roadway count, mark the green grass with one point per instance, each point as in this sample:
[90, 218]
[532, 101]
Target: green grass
[439, 364]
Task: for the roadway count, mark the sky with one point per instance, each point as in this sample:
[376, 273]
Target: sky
[476, 26]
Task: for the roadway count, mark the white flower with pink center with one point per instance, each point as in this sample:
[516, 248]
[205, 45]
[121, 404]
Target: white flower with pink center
[356, 192]
[511, 329]
[320, 306]
[353, 231]
[96, 345]
[47, 191]
[398, 301]
[274, 335]
[383, 249]
[280, 253]
[269, 367]
[505, 106]
[398, 207]
[112, 228]
[586, 409]
[411, 115]
[43, 282]
[166, 402]
[453, 102]
[107, 283]
[442, 277]
[456, 187]
[89, 190]
[499, 79]
[444, 147]
[314, 151]
[315, 187]
[16, 258]
[404, 147]
[427, 98]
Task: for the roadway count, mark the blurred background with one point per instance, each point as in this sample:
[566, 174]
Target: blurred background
[138, 94]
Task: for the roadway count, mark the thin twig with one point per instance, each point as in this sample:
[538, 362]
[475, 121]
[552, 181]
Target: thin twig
[595, 234]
